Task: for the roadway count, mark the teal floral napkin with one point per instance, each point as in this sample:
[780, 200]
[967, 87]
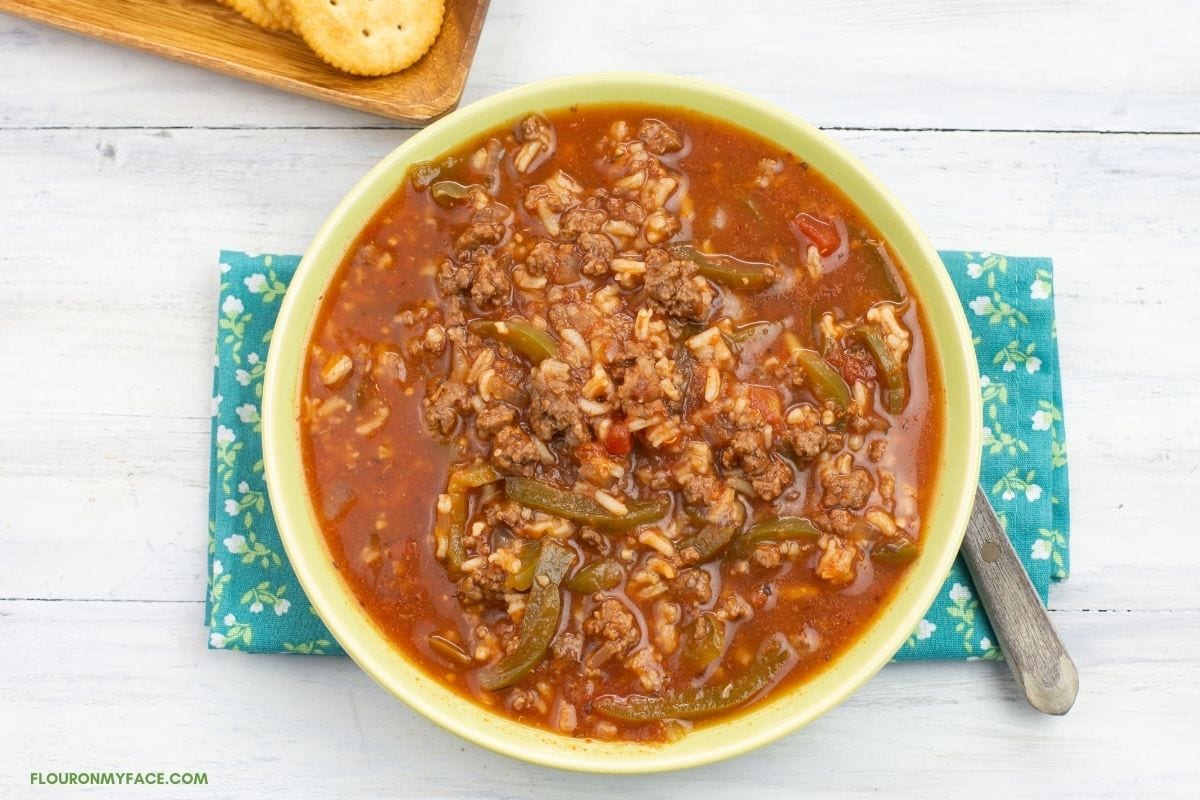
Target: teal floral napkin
[256, 604]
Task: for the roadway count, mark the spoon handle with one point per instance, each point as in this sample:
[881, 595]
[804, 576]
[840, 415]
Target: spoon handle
[1035, 654]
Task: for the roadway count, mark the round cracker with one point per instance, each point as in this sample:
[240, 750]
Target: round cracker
[258, 12]
[364, 37]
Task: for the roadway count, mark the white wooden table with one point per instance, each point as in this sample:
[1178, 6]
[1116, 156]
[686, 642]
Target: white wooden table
[1067, 129]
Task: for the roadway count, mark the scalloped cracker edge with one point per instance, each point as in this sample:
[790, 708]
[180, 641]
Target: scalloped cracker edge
[282, 12]
[259, 12]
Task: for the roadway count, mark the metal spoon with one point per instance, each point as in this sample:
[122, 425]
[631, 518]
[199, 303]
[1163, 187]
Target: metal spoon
[1035, 654]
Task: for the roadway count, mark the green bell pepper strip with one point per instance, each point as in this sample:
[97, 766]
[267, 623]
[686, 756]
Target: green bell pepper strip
[522, 579]
[825, 382]
[751, 206]
[740, 335]
[447, 192]
[695, 515]
[549, 498]
[704, 701]
[704, 644]
[472, 477]
[900, 552]
[525, 339]
[685, 364]
[596, 577]
[705, 544]
[775, 530]
[450, 651]
[893, 377]
[451, 525]
[727, 270]
[877, 257]
[542, 613]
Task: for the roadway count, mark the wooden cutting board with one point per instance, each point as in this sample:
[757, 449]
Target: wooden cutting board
[206, 33]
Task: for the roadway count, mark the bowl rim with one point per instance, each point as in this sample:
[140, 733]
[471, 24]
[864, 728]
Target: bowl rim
[330, 596]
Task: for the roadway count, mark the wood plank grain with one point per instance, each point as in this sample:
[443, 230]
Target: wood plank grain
[109, 291]
[210, 35]
[291, 726]
[1003, 64]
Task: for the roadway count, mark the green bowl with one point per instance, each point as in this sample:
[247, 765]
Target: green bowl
[331, 596]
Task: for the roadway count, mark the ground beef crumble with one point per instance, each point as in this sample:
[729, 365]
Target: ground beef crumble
[673, 285]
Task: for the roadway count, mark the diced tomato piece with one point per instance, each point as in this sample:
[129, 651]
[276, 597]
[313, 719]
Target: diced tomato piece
[618, 441]
[821, 233]
[850, 367]
[766, 401]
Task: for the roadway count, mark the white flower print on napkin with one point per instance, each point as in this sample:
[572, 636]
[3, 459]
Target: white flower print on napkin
[960, 593]
[1040, 550]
